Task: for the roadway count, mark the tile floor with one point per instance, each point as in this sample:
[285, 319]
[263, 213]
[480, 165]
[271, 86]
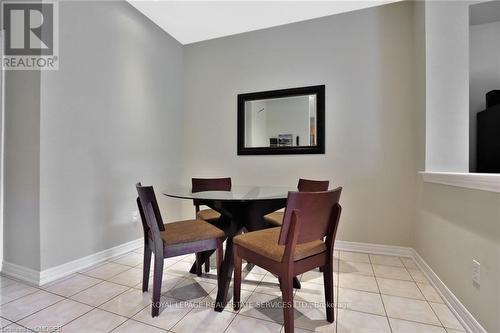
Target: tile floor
[374, 293]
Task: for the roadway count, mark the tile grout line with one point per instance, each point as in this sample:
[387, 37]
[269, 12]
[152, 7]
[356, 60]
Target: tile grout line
[187, 277]
[380, 295]
[439, 319]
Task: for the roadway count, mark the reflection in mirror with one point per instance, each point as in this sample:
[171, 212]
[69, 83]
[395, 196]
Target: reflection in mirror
[281, 122]
[286, 121]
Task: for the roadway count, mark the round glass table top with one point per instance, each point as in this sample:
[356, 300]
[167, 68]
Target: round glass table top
[237, 193]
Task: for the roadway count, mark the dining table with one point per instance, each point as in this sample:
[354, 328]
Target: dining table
[242, 209]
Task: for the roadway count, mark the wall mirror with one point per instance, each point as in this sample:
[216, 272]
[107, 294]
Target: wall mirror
[286, 121]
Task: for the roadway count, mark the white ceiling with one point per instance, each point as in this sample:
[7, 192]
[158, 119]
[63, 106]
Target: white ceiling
[194, 21]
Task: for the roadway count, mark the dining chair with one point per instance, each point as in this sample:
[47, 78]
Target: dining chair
[275, 219]
[171, 240]
[209, 215]
[208, 184]
[296, 247]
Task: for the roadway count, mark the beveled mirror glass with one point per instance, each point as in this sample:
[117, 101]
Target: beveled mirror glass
[287, 121]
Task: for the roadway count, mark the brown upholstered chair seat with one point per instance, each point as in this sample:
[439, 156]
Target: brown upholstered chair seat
[189, 231]
[265, 243]
[275, 218]
[208, 215]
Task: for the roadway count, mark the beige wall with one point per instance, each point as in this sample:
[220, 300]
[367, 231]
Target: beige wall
[365, 59]
[454, 226]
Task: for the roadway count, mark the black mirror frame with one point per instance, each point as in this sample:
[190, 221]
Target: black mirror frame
[319, 91]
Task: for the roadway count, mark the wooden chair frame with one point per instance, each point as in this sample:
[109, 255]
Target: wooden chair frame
[288, 268]
[153, 243]
[202, 185]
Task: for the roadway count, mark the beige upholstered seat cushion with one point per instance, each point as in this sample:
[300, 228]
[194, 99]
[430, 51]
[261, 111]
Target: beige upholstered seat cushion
[275, 218]
[208, 215]
[265, 243]
[189, 231]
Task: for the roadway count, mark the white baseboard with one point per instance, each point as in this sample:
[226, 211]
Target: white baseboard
[464, 316]
[21, 273]
[390, 250]
[40, 278]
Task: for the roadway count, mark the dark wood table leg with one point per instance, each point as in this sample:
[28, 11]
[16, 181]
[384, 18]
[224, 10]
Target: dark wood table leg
[226, 271]
[225, 275]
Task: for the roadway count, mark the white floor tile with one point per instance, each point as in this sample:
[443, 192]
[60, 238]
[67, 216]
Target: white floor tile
[204, 320]
[180, 268]
[312, 317]
[209, 301]
[403, 326]
[17, 328]
[409, 263]
[55, 315]
[361, 301]
[409, 309]
[190, 290]
[14, 291]
[171, 312]
[430, 293]
[128, 303]
[262, 306]
[242, 324]
[95, 321]
[351, 321]
[132, 326]
[168, 281]
[72, 285]
[392, 272]
[27, 305]
[354, 256]
[4, 322]
[378, 259]
[354, 267]
[100, 293]
[446, 317]
[5, 281]
[130, 259]
[106, 270]
[131, 277]
[358, 282]
[312, 292]
[399, 288]
[418, 276]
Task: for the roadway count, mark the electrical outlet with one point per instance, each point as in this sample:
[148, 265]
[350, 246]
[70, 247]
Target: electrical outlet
[476, 272]
[135, 216]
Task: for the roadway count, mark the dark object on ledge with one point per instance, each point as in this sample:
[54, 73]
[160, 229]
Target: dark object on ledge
[488, 136]
[492, 98]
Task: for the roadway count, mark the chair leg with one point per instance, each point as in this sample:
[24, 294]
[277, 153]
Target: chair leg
[237, 280]
[199, 263]
[157, 276]
[146, 266]
[207, 264]
[328, 281]
[219, 255]
[286, 284]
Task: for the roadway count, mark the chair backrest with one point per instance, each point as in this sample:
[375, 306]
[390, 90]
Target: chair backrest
[316, 212]
[307, 185]
[150, 214]
[210, 184]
